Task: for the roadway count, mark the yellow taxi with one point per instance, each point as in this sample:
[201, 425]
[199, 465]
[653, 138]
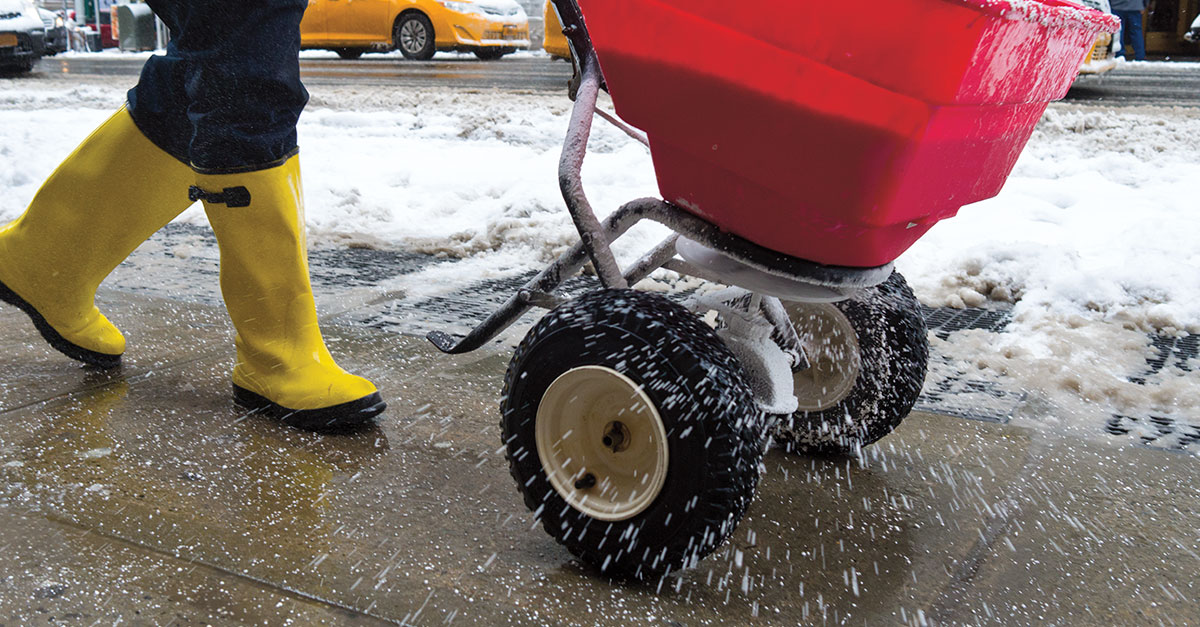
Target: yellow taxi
[554, 41]
[417, 28]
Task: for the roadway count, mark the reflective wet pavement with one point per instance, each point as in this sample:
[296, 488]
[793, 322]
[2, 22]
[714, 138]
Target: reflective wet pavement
[145, 496]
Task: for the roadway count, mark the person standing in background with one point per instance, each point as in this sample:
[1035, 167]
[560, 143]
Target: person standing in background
[1130, 12]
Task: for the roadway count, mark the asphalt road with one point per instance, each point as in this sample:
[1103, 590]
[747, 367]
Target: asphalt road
[522, 73]
[1141, 84]
[1130, 85]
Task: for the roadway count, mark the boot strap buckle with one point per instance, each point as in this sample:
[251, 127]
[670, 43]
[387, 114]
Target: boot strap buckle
[232, 197]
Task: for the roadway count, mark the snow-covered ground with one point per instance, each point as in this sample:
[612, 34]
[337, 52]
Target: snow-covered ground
[1093, 242]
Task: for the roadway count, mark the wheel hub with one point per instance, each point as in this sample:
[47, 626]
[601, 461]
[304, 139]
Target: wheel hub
[616, 437]
[831, 346]
[602, 443]
[412, 36]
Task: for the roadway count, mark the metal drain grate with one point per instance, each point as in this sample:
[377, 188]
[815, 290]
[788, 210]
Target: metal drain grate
[363, 267]
[1156, 431]
[943, 321]
[948, 390]
[1178, 352]
[459, 311]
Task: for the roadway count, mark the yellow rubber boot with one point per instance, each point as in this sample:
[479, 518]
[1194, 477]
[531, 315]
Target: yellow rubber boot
[107, 197]
[283, 367]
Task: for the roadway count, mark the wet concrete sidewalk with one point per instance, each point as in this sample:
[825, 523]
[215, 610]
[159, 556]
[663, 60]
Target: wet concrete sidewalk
[144, 496]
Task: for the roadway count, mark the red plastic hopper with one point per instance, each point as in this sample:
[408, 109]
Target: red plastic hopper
[827, 132]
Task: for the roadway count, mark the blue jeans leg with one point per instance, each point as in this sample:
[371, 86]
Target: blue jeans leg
[1131, 29]
[227, 94]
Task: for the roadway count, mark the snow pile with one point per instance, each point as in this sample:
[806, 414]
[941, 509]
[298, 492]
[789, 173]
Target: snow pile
[461, 177]
[1097, 221]
[1093, 240]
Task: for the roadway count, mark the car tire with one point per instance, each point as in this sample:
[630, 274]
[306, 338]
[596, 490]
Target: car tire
[491, 54]
[868, 357]
[414, 37]
[349, 53]
[709, 443]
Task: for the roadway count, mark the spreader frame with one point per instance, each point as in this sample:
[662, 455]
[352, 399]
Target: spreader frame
[596, 237]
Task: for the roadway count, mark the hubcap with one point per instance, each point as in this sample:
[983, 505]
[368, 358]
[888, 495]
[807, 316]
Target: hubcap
[831, 345]
[413, 36]
[602, 443]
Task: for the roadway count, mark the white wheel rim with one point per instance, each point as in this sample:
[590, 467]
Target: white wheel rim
[602, 443]
[831, 345]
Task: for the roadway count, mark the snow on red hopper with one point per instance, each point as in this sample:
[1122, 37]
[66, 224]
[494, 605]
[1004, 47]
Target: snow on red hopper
[818, 132]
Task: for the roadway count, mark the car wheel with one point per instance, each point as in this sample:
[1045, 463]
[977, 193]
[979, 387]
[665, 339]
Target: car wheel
[490, 54]
[631, 433]
[867, 361]
[349, 53]
[414, 37]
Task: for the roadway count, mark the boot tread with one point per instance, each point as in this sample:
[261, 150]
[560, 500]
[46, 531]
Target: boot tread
[56, 339]
[334, 418]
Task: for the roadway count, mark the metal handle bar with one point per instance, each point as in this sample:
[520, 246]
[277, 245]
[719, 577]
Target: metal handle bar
[570, 165]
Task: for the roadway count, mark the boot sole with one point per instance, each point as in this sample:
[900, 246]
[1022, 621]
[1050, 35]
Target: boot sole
[326, 419]
[54, 338]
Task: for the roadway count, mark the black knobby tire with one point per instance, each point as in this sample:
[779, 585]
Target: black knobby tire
[715, 432]
[21, 67]
[349, 54]
[893, 355]
[414, 36]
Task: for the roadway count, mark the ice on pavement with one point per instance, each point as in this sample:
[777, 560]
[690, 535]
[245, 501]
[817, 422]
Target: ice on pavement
[1092, 242]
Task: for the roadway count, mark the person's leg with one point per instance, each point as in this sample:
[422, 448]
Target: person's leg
[116, 189]
[1131, 35]
[241, 80]
[283, 366]
[1138, 36]
[244, 98]
[1120, 35]
[158, 103]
